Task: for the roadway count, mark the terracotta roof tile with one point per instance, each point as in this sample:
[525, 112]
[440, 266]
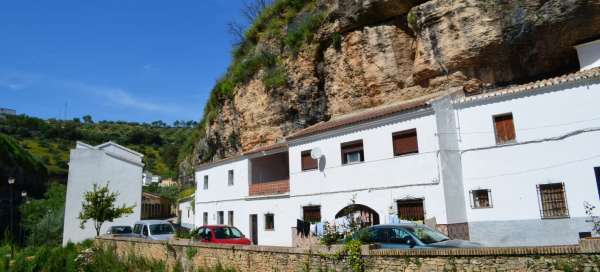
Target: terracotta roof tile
[576, 76]
[365, 115]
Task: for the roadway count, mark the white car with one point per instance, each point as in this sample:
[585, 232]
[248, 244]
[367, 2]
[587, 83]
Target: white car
[159, 230]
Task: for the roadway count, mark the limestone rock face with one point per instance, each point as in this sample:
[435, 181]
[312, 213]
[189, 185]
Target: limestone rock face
[500, 41]
[371, 52]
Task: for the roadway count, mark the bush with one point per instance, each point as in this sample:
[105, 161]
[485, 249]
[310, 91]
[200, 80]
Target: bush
[304, 31]
[275, 77]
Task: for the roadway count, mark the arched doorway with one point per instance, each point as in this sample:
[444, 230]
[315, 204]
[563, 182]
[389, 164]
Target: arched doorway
[360, 213]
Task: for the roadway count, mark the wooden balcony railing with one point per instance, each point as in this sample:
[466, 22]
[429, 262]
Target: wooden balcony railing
[270, 188]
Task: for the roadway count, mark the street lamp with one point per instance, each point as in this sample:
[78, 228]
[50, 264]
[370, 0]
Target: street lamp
[11, 181]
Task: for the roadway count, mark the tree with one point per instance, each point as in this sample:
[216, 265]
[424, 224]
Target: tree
[99, 206]
[42, 219]
[88, 119]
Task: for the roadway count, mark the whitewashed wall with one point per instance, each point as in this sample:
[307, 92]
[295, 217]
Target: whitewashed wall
[513, 171]
[89, 166]
[187, 214]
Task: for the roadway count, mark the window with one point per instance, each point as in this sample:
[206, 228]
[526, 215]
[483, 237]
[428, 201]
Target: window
[411, 209]
[230, 218]
[205, 182]
[553, 202]
[205, 218]
[481, 198]
[230, 177]
[137, 229]
[352, 152]
[220, 218]
[312, 214]
[504, 128]
[269, 221]
[405, 142]
[188, 212]
[308, 163]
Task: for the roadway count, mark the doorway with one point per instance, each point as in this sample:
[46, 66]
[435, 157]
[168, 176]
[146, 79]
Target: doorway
[254, 229]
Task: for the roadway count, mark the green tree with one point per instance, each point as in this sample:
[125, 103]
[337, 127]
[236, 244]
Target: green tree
[88, 119]
[42, 219]
[99, 206]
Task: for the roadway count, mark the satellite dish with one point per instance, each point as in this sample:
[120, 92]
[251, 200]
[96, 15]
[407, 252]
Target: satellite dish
[315, 153]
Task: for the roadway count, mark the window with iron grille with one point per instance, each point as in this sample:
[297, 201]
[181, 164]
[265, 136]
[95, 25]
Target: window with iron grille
[230, 177]
[504, 128]
[312, 214]
[352, 152]
[308, 163]
[553, 202]
[230, 218]
[269, 221]
[205, 182]
[411, 209]
[481, 198]
[405, 142]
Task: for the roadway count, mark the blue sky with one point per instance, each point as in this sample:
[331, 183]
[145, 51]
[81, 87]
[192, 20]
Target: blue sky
[126, 60]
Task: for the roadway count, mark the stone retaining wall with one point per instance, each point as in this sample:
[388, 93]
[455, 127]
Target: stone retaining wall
[583, 257]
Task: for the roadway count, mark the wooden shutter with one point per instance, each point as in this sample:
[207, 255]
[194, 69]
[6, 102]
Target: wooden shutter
[308, 163]
[505, 128]
[411, 210]
[312, 214]
[405, 142]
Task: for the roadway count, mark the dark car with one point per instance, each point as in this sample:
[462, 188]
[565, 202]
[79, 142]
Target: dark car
[120, 231]
[411, 236]
[221, 234]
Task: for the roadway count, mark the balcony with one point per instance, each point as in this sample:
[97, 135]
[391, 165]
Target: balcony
[270, 175]
[270, 188]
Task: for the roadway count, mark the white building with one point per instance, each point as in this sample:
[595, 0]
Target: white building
[149, 178]
[108, 163]
[186, 213]
[6, 112]
[508, 167]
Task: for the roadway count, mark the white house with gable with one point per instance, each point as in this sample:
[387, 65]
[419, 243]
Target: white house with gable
[108, 163]
[507, 167]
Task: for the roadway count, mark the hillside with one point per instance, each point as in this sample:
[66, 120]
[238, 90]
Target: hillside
[305, 61]
[50, 140]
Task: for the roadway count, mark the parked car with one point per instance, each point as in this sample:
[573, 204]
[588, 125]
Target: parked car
[410, 236]
[154, 230]
[221, 234]
[120, 231]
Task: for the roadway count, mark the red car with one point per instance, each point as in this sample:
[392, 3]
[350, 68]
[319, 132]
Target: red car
[221, 234]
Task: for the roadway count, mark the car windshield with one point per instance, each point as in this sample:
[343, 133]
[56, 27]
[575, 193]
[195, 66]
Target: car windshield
[427, 235]
[159, 229]
[121, 230]
[227, 233]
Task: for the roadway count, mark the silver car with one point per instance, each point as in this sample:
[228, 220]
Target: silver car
[410, 236]
[159, 230]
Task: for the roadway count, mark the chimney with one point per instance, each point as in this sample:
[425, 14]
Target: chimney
[589, 55]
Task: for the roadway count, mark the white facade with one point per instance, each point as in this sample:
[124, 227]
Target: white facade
[109, 163]
[556, 129]
[186, 213]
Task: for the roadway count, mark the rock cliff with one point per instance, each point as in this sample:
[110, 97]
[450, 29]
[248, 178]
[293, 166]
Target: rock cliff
[305, 61]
